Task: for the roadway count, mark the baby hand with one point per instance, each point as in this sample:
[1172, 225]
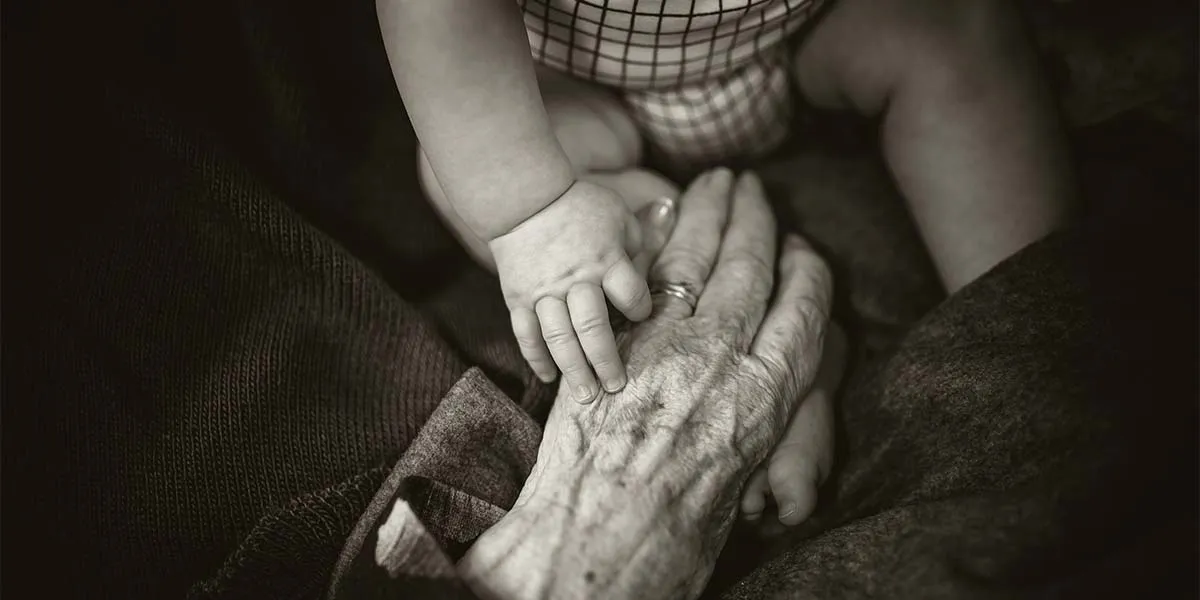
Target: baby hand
[556, 269]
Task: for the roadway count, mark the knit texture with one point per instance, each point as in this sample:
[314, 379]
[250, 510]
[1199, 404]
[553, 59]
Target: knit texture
[229, 314]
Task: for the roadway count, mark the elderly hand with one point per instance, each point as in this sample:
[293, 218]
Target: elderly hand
[634, 496]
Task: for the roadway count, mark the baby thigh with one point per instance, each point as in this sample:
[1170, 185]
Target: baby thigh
[594, 128]
[601, 138]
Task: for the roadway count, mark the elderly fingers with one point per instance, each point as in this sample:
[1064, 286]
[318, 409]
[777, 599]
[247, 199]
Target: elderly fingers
[744, 275]
[703, 210]
[657, 220]
[790, 338]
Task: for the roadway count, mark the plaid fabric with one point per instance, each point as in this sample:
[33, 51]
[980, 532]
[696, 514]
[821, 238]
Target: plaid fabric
[217, 342]
[706, 80]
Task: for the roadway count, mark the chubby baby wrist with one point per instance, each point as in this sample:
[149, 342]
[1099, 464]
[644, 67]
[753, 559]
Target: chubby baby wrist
[532, 209]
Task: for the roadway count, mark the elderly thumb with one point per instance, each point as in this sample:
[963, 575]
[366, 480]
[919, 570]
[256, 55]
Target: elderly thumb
[655, 222]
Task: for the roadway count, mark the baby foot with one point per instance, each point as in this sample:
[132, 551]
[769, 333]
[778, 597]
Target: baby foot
[802, 459]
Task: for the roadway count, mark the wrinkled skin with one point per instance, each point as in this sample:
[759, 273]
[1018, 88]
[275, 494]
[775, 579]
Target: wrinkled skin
[634, 495]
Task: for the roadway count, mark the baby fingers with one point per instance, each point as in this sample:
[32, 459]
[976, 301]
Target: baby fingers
[589, 315]
[627, 290]
[533, 349]
[558, 331]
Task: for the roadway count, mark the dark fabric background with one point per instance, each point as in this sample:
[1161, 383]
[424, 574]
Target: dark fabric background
[226, 307]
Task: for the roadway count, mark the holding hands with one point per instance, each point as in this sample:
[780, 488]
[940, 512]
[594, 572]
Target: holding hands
[634, 496]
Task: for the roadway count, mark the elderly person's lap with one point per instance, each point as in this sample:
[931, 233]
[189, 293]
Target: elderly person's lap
[987, 449]
[971, 448]
[963, 454]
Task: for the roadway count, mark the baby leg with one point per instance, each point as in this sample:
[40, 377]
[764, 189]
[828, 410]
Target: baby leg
[969, 128]
[599, 138]
[803, 458]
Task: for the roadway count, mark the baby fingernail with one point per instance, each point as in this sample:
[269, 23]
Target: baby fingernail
[787, 510]
[722, 176]
[614, 385]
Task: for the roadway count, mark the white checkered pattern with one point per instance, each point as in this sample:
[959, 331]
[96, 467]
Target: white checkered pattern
[706, 80]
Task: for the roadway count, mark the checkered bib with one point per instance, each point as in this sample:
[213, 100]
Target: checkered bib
[706, 80]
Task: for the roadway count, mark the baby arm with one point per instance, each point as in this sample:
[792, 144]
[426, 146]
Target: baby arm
[464, 71]
[560, 245]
